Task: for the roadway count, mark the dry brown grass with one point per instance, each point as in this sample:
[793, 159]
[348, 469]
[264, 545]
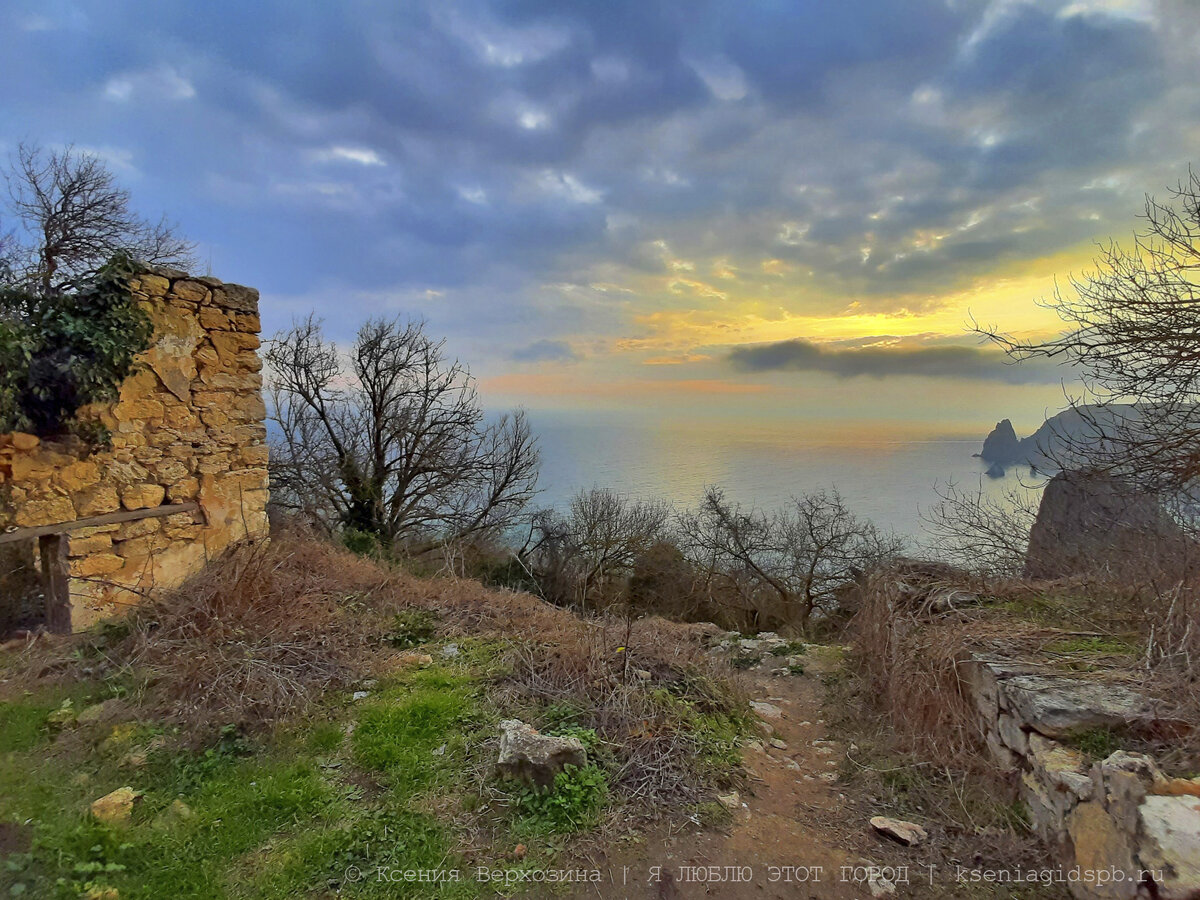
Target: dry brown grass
[267, 630]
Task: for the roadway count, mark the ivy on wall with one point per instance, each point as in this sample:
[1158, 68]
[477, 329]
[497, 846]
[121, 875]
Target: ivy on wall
[60, 351]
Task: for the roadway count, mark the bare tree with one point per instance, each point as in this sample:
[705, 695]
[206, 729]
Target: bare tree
[586, 556]
[391, 439]
[982, 532]
[1134, 336]
[71, 217]
[793, 559]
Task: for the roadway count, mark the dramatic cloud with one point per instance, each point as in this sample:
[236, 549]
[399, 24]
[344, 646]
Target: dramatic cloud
[632, 173]
[546, 351]
[887, 361]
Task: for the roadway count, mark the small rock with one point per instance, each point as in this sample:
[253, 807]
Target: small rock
[793, 765]
[450, 651]
[907, 833]
[778, 744]
[828, 777]
[766, 710]
[116, 808]
[533, 757]
[642, 674]
[732, 800]
[133, 760]
[440, 751]
[63, 717]
[879, 886]
[409, 659]
[756, 746]
[361, 695]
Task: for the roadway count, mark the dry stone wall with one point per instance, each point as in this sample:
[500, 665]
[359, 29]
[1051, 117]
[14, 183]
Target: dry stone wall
[187, 430]
[1122, 827]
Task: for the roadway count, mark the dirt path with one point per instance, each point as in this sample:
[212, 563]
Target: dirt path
[792, 834]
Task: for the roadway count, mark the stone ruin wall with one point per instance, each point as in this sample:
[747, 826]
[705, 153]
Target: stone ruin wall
[187, 428]
[1119, 817]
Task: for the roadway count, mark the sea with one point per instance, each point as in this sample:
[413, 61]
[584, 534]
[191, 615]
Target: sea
[891, 481]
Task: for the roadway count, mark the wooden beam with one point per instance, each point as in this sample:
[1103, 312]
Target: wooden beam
[125, 515]
[55, 583]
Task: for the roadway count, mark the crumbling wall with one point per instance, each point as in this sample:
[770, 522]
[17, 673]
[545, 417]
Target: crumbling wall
[1119, 825]
[188, 428]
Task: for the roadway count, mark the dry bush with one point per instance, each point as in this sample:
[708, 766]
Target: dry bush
[256, 635]
[910, 639]
[1172, 672]
[266, 629]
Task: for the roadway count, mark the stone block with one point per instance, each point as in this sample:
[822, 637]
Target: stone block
[1169, 845]
[97, 501]
[1100, 845]
[1059, 706]
[190, 291]
[44, 511]
[97, 564]
[1011, 734]
[142, 496]
[87, 545]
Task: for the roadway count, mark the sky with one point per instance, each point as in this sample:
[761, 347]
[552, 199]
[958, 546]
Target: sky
[771, 210]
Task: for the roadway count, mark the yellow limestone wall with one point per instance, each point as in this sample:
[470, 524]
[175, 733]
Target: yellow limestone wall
[188, 426]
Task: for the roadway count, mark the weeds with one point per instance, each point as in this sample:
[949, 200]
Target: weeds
[572, 804]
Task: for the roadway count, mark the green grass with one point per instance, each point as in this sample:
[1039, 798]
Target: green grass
[1094, 645]
[280, 816]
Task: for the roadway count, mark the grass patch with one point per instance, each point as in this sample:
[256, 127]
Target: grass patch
[415, 731]
[1098, 743]
[1098, 645]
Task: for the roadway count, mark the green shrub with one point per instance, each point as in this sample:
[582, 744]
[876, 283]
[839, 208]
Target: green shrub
[572, 804]
[62, 351]
[362, 543]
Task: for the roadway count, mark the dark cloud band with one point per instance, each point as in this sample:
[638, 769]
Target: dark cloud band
[885, 362]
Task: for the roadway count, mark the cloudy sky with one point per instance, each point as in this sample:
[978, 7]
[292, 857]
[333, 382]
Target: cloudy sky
[787, 208]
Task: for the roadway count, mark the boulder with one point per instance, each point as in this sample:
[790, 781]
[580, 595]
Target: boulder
[1091, 524]
[535, 758]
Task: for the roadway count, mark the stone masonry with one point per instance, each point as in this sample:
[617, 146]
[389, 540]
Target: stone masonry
[187, 429]
[1119, 827]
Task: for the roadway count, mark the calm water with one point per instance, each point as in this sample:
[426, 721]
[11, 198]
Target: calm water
[889, 482]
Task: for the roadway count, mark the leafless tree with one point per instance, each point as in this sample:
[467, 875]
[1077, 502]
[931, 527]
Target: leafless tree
[792, 559]
[1134, 336]
[70, 217]
[390, 438]
[982, 532]
[585, 556]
